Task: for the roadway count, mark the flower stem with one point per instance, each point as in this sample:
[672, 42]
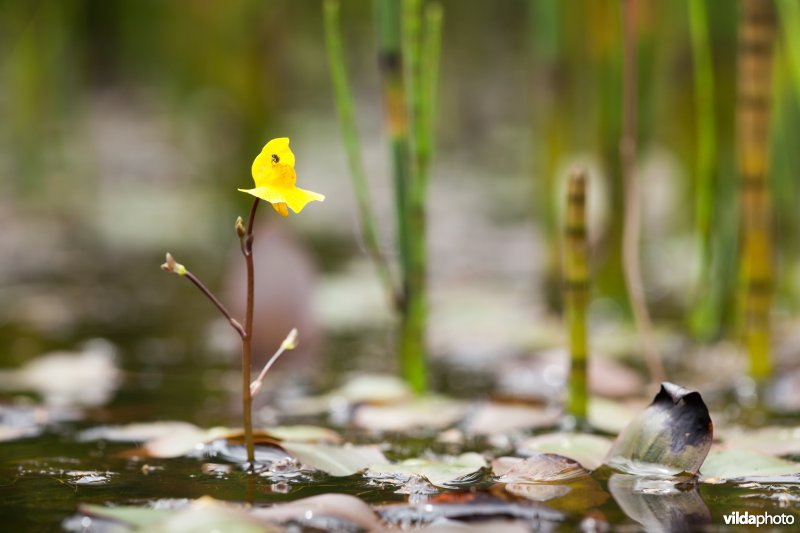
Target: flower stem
[208, 294]
[247, 399]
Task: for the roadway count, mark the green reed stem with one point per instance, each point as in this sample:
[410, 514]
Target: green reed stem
[389, 16]
[576, 294]
[756, 39]
[429, 86]
[705, 318]
[413, 357]
[789, 11]
[345, 108]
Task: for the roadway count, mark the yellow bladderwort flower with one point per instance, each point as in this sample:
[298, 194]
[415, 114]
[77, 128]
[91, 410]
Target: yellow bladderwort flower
[273, 172]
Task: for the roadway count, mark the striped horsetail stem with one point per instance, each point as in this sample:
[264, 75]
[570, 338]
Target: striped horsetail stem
[576, 292]
[756, 37]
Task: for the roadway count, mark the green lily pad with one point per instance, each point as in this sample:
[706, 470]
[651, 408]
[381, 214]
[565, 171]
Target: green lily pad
[672, 435]
[493, 418]
[205, 514]
[433, 412]
[588, 450]
[302, 433]
[771, 440]
[440, 472]
[613, 416]
[344, 507]
[727, 464]
[138, 432]
[335, 460]
[542, 467]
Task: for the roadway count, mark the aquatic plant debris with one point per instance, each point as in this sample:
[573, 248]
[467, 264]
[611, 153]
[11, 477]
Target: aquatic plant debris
[672, 435]
[275, 179]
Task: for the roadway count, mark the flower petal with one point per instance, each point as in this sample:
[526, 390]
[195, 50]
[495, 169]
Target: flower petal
[281, 208]
[298, 198]
[268, 194]
[275, 153]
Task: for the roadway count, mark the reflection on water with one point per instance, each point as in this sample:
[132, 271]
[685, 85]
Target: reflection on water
[660, 503]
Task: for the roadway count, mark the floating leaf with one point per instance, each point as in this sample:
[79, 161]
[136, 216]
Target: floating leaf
[302, 433]
[672, 435]
[738, 464]
[373, 388]
[182, 441]
[22, 420]
[343, 507]
[771, 440]
[86, 378]
[140, 432]
[541, 467]
[612, 416]
[493, 418]
[431, 412]
[177, 439]
[335, 460]
[204, 514]
[588, 450]
[659, 504]
[440, 472]
[133, 517]
[560, 481]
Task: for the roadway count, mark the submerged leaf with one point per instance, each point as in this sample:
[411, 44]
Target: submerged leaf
[440, 472]
[736, 463]
[672, 435]
[335, 460]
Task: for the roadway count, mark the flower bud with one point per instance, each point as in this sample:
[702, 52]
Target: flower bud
[173, 266]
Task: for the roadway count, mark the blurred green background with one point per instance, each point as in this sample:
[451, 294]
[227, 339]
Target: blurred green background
[128, 125]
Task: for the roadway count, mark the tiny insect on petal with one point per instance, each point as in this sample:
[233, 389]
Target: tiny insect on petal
[275, 178]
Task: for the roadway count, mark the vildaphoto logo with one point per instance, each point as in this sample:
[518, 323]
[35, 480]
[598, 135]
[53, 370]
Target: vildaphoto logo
[763, 519]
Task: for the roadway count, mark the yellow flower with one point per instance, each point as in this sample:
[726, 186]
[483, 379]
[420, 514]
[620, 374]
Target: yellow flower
[273, 172]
